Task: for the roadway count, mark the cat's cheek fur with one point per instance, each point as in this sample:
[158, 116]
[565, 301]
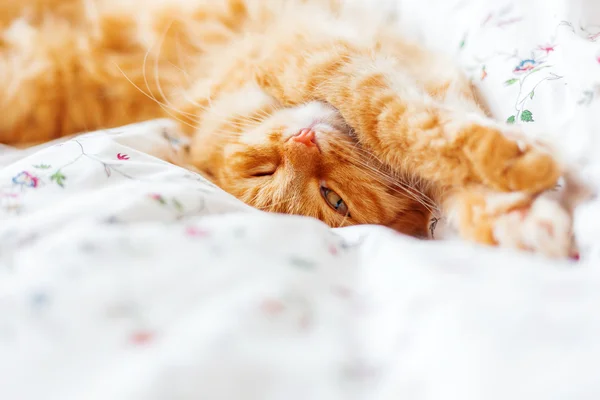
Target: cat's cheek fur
[413, 223]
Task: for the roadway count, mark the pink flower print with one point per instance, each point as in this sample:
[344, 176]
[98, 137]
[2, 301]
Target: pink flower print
[548, 48]
[525, 65]
[157, 197]
[509, 22]
[141, 337]
[333, 250]
[122, 156]
[342, 292]
[24, 178]
[487, 19]
[272, 307]
[195, 232]
[305, 321]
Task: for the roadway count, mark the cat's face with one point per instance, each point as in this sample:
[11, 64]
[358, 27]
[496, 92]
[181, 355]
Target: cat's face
[303, 160]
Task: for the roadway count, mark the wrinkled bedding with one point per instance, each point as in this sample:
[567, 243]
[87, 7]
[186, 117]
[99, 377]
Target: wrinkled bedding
[125, 277]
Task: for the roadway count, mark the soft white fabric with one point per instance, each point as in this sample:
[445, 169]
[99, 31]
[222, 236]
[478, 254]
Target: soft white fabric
[124, 277]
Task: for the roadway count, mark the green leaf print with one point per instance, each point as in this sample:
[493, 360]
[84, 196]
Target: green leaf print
[177, 205]
[531, 94]
[302, 263]
[462, 43]
[511, 119]
[42, 166]
[511, 81]
[526, 116]
[158, 198]
[59, 178]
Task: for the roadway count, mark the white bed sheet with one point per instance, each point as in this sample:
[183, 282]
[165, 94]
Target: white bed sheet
[124, 277]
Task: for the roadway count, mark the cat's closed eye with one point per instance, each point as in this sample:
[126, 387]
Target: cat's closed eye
[335, 201]
[264, 171]
[260, 173]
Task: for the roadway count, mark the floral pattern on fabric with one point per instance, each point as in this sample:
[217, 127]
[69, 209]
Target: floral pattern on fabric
[530, 68]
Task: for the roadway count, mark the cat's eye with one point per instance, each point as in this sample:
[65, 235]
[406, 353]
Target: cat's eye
[335, 201]
[262, 172]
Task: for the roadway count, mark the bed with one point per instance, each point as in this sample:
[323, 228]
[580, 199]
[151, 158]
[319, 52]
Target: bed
[125, 277]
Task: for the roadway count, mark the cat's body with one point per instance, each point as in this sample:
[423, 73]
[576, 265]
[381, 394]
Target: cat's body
[302, 107]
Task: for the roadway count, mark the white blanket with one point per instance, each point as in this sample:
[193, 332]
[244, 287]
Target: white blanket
[124, 277]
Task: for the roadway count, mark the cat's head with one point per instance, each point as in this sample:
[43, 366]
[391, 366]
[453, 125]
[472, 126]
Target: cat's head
[304, 160]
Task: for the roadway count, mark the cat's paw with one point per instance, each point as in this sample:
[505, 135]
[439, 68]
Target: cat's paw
[512, 220]
[503, 165]
[542, 227]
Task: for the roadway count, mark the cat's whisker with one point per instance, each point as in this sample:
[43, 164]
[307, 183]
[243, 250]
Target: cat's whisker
[241, 124]
[157, 72]
[271, 203]
[181, 62]
[398, 187]
[230, 132]
[395, 179]
[392, 183]
[239, 121]
[265, 114]
[152, 98]
[150, 94]
[167, 108]
[272, 206]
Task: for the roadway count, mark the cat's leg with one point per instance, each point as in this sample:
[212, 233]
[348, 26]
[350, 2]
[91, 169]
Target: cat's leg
[404, 126]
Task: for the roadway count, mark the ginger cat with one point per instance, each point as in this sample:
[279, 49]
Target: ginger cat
[298, 106]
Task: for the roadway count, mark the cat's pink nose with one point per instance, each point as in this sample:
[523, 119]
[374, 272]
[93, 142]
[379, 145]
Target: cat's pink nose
[306, 136]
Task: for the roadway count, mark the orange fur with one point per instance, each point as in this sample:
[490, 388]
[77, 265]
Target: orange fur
[397, 127]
